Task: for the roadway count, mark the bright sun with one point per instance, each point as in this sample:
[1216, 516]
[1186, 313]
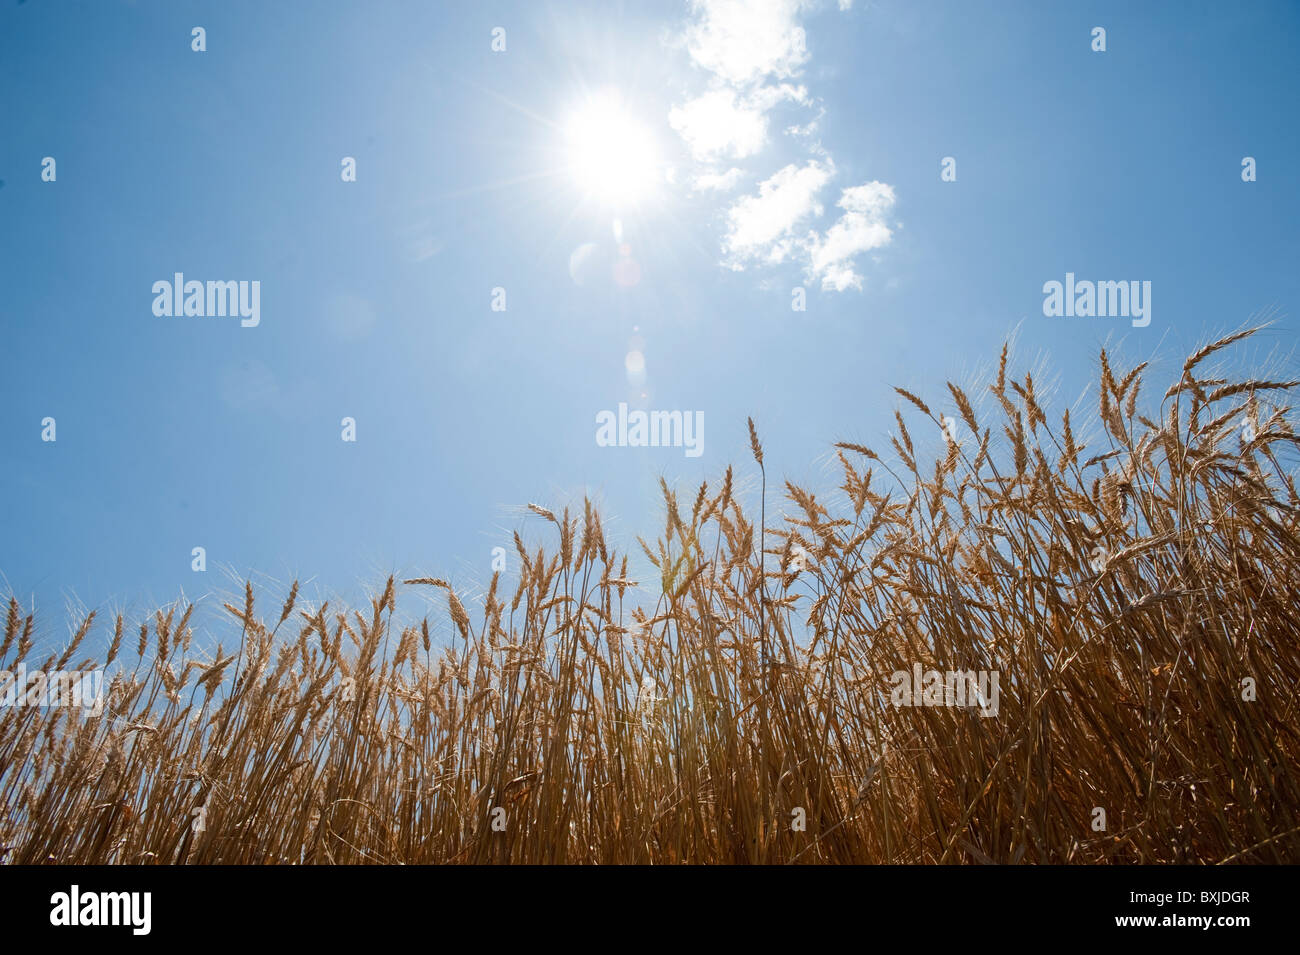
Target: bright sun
[612, 156]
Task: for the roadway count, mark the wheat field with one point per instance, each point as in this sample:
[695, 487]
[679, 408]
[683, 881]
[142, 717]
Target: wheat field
[1136, 597]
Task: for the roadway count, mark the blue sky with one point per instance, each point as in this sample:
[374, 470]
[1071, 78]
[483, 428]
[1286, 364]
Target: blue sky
[739, 161]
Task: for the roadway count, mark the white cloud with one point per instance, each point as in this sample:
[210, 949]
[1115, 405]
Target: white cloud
[765, 97]
[754, 52]
[718, 181]
[717, 124]
[724, 123]
[770, 226]
[861, 228]
[745, 41]
[762, 227]
[808, 128]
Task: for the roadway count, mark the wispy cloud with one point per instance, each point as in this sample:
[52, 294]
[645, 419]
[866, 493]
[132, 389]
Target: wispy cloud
[771, 226]
[765, 227]
[718, 181]
[861, 228]
[752, 54]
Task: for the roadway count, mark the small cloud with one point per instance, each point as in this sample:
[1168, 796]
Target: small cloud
[718, 125]
[762, 227]
[745, 42]
[718, 181]
[765, 97]
[769, 228]
[725, 123]
[862, 228]
[808, 128]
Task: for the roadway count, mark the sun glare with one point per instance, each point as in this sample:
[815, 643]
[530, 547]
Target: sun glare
[612, 156]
